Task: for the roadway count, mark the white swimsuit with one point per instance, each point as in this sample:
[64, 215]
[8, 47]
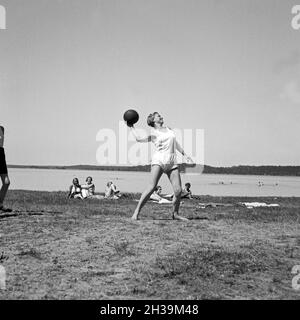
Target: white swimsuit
[165, 154]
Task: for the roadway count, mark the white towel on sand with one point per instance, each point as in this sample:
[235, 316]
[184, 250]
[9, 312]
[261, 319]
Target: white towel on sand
[251, 205]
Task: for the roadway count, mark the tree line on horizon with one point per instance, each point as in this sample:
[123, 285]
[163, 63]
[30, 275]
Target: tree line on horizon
[255, 170]
[239, 170]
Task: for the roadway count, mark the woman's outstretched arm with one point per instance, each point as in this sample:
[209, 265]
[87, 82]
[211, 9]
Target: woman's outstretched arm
[180, 149]
[138, 138]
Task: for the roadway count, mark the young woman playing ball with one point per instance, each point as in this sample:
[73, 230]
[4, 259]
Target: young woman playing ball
[163, 161]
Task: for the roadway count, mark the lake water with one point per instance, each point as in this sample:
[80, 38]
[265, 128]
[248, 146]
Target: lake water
[202, 184]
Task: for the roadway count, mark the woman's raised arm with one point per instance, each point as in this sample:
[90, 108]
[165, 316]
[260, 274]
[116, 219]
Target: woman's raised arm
[138, 138]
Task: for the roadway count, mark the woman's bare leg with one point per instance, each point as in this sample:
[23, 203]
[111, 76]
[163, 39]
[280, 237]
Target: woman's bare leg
[156, 173]
[174, 177]
[5, 186]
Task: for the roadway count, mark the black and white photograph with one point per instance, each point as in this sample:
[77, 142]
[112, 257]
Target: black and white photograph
[149, 151]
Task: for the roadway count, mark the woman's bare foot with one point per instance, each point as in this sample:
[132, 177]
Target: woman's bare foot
[4, 209]
[135, 216]
[176, 216]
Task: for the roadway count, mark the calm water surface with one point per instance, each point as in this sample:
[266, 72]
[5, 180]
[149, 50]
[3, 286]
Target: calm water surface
[202, 184]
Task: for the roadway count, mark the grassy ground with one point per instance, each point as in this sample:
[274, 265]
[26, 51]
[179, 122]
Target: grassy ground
[56, 248]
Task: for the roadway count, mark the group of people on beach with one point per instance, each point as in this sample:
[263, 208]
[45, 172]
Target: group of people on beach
[163, 161]
[87, 190]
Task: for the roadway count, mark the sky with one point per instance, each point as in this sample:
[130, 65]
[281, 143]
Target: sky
[69, 68]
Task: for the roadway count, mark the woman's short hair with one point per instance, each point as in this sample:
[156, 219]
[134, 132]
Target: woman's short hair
[150, 119]
[89, 177]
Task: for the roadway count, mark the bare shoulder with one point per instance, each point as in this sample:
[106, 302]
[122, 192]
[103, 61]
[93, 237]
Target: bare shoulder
[168, 128]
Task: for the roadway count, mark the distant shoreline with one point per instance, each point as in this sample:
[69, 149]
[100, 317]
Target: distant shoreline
[235, 170]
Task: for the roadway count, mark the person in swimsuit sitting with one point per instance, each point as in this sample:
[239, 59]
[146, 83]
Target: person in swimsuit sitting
[75, 190]
[111, 191]
[156, 196]
[186, 192]
[88, 189]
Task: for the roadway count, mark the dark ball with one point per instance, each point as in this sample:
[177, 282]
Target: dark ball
[131, 116]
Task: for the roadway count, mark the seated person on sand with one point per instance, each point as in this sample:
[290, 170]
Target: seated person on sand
[88, 189]
[156, 196]
[111, 191]
[75, 190]
[186, 192]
